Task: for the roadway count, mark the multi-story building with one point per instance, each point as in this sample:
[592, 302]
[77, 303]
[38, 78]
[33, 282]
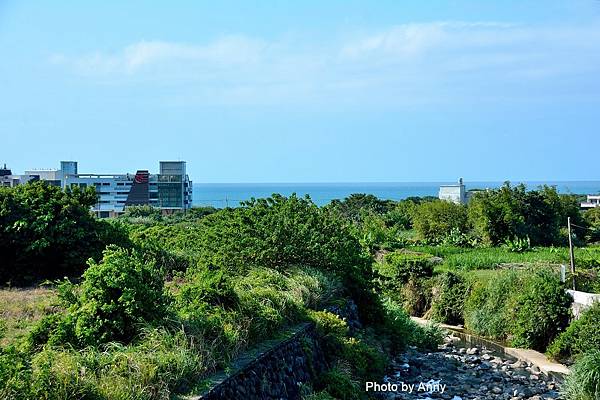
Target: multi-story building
[170, 190]
[593, 201]
[7, 178]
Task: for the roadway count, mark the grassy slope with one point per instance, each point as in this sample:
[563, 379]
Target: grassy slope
[20, 309]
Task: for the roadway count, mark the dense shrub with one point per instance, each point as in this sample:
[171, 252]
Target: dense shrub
[357, 205]
[401, 216]
[435, 220]
[450, 292]
[511, 212]
[116, 298]
[592, 219]
[527, 308]
[339, 384]
[581, 336]
[142, 211]
[276, 233]
[541, 311]
[428, 337]
[15, 374]
[400, 266]
[47, 233]
[415, 296]
[354, 360]
[397, 326]
[583, 383]
[401, 331]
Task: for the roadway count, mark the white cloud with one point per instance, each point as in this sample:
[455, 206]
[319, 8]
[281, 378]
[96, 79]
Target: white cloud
[425, 62]
[226, 51]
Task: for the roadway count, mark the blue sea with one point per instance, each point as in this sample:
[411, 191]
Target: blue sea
[230, 194]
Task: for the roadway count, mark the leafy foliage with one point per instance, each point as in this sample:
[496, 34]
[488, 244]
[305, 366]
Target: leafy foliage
[435, 220]
[592, 219]
[399, 266]
[355, 206]
[583, 383]
[580, 337]
[542, 311]
[449, 297]
[115, 299]
[47, 233]
[513, 212]
[529, 308]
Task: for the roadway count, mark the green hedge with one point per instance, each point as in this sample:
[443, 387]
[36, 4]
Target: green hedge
[581, 336]
[450, 293]
[400, 266]
[526, 308]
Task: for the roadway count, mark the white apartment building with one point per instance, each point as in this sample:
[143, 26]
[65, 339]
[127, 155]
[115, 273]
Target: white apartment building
[169, 190]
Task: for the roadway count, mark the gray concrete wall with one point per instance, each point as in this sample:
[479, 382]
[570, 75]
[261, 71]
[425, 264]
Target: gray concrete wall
[582, 301]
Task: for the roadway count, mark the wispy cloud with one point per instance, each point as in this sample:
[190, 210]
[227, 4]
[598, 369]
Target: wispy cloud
[423, 62]
[224, 52]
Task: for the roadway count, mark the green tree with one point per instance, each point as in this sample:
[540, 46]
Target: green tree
[504, 214]
[355, 206]
[435, 220]
[592, 219]
[46, 232]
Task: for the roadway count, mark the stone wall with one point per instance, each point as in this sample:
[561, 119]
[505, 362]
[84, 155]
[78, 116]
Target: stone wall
[277, 372]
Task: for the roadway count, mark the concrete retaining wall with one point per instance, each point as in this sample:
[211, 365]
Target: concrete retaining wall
[582, 301]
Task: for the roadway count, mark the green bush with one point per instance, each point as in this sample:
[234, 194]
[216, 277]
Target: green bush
[450, 292]
[488, 305]
[592, 219]
[541, 311]
[580, 337]
[428, 337]
[498, 215]
[399, 266]
[15, 373]
[329, 324]
[435, 220]
[357, 205]
[415, 296]
[397, 326]
[528, 308]
[583, 383]
[277, 233]
[339, 384]
[116, 298]
[368, 364]
[49, 233]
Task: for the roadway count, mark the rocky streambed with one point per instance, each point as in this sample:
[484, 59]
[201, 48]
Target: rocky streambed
[461, 373]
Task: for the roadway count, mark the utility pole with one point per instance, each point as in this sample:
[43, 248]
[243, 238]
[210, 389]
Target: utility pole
[571, 253]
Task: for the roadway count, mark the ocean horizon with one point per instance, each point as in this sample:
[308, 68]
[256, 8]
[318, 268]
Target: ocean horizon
[231, 194]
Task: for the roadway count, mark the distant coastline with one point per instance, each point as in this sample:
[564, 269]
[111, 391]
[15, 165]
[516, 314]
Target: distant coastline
[231, 194]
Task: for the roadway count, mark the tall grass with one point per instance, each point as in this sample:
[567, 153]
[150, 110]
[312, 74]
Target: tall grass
[584, 381]
[172, 358]
[459, 258]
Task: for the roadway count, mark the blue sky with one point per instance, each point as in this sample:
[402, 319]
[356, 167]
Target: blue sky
[310, 91]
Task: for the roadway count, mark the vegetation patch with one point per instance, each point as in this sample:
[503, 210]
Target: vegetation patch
[580, 337]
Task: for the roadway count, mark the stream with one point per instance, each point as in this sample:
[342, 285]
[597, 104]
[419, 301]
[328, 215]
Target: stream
[460, 373]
